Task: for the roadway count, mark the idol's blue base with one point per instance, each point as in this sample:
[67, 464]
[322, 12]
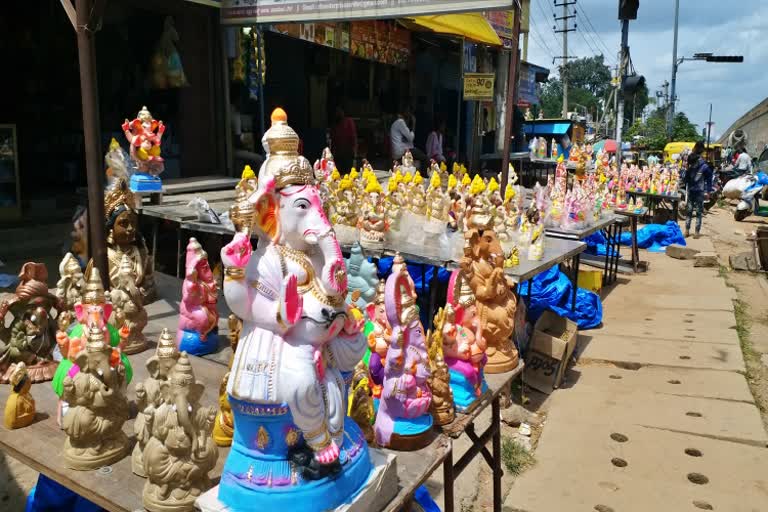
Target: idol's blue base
[142, 182]
[190, 342]
[257, 472]
[464, 395]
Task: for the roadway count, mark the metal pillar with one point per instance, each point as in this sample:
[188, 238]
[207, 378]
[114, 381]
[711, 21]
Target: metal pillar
[673, 96]
[511, 94]
[85, 28]
[622, 76]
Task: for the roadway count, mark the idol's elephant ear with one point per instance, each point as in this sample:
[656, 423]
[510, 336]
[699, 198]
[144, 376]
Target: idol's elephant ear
[153, 366]
[473, 242]
[81, 360]
[196, 390]
[267, 209]
[399, 300]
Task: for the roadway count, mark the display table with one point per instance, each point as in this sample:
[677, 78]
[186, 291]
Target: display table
[117, 489]
[666, 202]
[611, 229]
[114, 487]
[633, 216]
[556, 251]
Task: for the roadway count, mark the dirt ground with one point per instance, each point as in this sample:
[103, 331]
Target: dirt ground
[730, 238]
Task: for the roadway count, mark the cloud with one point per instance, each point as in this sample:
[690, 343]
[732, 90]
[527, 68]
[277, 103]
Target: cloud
[705, 26]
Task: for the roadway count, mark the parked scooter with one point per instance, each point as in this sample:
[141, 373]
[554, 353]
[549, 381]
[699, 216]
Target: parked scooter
[750, 203]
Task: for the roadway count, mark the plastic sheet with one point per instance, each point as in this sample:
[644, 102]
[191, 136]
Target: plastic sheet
[655, 237]
[50, 496]
[425, 501]
[551, 290]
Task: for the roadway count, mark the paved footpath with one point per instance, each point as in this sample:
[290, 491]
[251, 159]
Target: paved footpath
[656, 415]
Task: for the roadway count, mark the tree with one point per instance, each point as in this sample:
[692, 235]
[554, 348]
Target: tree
[653, 132]
[589, 81]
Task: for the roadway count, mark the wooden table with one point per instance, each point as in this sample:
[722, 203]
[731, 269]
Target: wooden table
[114, 487]
[667, 202]
[611, 229]
[633, 216]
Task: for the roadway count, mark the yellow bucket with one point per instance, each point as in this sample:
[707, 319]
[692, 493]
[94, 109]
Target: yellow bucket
[591, 280]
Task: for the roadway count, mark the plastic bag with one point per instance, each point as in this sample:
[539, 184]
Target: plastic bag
[167, 70]
[204, 211]
[736, 187]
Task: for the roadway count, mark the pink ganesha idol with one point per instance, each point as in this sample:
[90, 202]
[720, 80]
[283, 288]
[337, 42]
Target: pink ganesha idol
[198, 317]
[403, 421]
[463, 344]
[293, 448]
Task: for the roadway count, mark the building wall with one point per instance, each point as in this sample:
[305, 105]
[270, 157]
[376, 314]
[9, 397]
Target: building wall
[755, 125]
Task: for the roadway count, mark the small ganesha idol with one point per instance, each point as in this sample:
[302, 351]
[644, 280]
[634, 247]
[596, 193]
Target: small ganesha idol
[403, 420]
[198, 316]
[463, 344]
[293, 448]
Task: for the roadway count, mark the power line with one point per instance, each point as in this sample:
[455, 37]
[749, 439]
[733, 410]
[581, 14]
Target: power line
[547, 21]
[540, 39]
[585, 16]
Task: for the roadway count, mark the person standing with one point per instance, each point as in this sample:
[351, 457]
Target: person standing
[402, 133]
[698, 182]
[343, 141]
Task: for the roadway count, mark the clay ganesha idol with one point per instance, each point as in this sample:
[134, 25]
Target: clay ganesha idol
[31, 335]
[403, 421]
[198, 317]
[463, 344]
[293, 446]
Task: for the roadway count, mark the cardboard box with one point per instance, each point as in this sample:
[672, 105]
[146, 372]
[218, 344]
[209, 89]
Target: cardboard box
[552, 344]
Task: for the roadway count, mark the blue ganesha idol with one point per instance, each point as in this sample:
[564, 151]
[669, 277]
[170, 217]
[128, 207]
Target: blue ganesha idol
[293, 446]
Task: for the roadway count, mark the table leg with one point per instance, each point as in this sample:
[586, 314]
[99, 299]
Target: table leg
[155, 229]
[617, 248]
[448, 482]
[432, 295]
[497, 472]
[635, 250]
[178, 252]
[606, 268]
[575, 268]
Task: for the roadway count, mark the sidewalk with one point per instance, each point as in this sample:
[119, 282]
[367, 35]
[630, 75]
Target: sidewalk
[657, 415]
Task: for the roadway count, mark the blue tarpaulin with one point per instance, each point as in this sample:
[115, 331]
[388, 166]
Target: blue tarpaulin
[551, 290]
[655, 237]
[415, 269]
[50, 496]
[547, 128]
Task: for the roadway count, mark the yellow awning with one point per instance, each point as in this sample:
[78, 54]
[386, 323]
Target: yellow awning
[472, 26]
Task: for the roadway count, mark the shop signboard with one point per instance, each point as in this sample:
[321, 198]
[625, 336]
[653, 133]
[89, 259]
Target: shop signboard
[478, 86]
[333, 35]
[248, 12]
[380, 41]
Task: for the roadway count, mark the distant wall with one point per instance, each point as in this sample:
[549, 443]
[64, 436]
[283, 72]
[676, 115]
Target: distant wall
[755, 124]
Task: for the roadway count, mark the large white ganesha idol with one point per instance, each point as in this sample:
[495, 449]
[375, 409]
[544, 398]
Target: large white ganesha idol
[293, 446]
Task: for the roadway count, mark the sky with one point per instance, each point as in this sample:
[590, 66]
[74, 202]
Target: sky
[722, 27]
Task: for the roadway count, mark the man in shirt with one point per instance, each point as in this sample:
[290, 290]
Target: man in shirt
[343, 141]
[402, 135]
[743, 163]
[698, 182]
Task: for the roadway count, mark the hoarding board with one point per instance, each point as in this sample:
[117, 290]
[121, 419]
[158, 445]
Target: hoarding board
[246, 12]
[478, 86]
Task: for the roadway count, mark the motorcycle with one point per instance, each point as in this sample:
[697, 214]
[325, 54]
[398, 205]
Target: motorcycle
[750, 202]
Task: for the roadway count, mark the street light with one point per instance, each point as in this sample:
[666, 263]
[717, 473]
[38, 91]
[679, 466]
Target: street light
[706, 57]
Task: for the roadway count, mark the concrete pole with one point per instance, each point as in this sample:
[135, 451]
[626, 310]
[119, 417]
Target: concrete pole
[563, 73]
[89, 95]
[511, 95]
[620, 92]
[673, 96]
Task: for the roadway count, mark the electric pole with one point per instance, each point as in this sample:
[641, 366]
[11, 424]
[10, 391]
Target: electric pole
[673, 96]
[627, 11]
[564, 30]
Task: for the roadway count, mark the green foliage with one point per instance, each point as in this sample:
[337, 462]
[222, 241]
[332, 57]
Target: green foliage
[654, 130]
[589, 81]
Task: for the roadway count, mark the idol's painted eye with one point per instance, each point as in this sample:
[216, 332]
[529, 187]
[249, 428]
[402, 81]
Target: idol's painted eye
[301, 204]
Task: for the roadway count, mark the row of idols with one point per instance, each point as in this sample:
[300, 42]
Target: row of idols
[326, 360]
